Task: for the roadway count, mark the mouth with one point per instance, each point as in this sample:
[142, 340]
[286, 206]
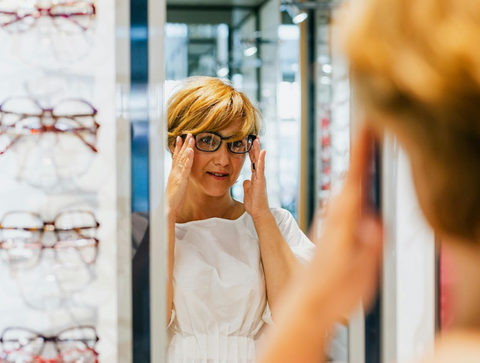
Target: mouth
[218, 176]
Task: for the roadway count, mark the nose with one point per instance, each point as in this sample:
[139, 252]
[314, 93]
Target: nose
[221, 157]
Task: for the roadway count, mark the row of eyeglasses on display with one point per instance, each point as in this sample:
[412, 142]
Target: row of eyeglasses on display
[69, 241]
[75, 345]
[67, 16]
[71, 237]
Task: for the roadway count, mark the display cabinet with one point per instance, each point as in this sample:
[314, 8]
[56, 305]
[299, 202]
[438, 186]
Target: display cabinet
[66, 189]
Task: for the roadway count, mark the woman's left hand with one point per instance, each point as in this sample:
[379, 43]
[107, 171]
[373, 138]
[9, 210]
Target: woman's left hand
[255, 190]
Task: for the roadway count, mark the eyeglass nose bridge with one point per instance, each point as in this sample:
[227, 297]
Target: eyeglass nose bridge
[52, 340]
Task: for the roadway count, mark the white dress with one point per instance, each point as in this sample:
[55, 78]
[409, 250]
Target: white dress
[219, 300]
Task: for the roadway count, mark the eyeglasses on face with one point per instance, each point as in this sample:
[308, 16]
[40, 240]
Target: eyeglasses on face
[23, 116]
[23, 237]
[71, 345]
[211, 141]
[69, 17]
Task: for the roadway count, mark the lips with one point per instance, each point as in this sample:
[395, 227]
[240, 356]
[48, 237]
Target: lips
[218, 176]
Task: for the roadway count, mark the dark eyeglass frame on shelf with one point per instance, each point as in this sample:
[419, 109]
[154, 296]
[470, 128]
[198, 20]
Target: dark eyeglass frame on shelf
[250, 138]
[41, 11]
[48, 339]
[44, 128]
[49, 226]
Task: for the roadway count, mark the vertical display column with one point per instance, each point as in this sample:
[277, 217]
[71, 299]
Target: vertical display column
[333, 135]
[58, 186]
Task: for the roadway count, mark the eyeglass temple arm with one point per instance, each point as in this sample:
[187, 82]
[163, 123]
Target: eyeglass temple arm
[92, 147]
[13, 142]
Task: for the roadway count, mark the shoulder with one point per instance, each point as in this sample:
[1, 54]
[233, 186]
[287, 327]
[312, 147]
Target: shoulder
[283, 216]
[281, 213]
[288, 225]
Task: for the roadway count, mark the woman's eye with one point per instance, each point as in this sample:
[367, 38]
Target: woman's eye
[237, 144]
[206, 140]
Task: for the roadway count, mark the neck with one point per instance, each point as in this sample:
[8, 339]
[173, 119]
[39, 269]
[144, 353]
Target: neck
[199, 206]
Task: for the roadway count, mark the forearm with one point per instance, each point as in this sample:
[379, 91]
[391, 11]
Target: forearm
[279, 262]
[171, 259]
[301, 332]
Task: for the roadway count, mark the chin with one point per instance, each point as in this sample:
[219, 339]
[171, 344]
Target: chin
[216, 192]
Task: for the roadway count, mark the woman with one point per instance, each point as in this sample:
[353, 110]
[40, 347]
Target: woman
[416, 67]
[225, 257]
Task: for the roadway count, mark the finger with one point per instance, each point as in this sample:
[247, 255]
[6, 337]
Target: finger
[189, 161]
[185, 161]
[251, 155]
[185, 145]
[260, 167]
[360, 157]
[178, 147]
[256, 145]
[367, 260]
[181, 153]
[246, 186]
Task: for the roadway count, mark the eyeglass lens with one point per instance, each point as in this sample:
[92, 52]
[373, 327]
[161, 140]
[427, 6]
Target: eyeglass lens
[74, 241]
[22, 345]
[209, 142]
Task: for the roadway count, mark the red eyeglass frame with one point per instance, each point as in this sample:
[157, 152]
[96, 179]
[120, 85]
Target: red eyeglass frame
[48, 112]
[48, 12]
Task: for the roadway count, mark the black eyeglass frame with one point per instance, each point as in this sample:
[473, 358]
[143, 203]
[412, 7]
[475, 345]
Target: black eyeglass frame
[251, 137]
[53, 339]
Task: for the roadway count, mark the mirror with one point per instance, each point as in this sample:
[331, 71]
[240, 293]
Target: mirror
[256, 47]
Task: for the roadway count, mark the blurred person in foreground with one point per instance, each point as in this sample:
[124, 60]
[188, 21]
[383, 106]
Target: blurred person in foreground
[416, 68]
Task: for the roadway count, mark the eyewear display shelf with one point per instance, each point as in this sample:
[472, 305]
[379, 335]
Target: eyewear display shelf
[64, 186]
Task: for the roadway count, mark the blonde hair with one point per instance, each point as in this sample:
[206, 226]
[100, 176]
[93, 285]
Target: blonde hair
[418, 63]
[210, 104]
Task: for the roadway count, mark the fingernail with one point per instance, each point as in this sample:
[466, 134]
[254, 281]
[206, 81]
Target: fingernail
[191, 141]
[189, 152]
[253, 166]
[178, 139]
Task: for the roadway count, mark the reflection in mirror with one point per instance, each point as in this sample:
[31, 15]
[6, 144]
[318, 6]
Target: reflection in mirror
[232, 74]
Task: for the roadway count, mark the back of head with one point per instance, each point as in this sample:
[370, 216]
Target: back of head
[209, 104]
[416, 65]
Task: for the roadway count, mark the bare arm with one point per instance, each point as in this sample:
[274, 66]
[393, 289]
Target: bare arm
[171, 259]
[176, 190]
[279, 262]
[344, 271]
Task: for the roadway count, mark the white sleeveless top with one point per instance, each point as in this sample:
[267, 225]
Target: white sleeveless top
[219, 299]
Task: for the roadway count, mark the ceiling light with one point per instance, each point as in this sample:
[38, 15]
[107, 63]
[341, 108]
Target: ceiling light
[327, 68]
[250, 51]
[300, 17]
[223, 72]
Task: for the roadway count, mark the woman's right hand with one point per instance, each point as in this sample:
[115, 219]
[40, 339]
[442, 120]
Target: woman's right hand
[179, 175]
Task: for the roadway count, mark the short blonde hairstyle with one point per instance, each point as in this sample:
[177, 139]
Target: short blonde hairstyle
[418, 63]
[210, 104]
